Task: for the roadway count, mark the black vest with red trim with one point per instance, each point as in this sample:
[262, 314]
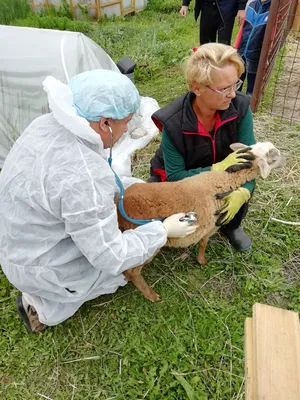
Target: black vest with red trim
[197, 147]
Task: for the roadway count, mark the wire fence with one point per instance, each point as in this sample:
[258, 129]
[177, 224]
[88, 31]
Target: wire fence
[277, 85]
[286, 93]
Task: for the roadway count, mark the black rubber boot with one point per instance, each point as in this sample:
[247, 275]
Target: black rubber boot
[29, 316]
[153, 179]
[238, 239]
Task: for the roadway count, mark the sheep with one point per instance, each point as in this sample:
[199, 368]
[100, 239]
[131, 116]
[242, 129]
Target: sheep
[198, 194]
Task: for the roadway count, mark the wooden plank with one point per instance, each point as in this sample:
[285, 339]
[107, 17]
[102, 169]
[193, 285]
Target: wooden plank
[133, 5]
[276, 338]
[249, 370]
[98, 8]
[72, 8]
[32, 5]
[110, 3]
[128, 11]
[296, 23]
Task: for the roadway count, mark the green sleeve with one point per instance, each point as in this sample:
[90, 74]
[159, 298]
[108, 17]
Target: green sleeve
[174, 162]
[245, 135]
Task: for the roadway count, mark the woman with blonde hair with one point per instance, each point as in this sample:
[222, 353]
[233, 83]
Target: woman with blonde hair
[198, 128]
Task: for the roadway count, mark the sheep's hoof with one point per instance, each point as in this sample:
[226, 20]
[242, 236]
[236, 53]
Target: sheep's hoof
[153, 296]
[202, 260]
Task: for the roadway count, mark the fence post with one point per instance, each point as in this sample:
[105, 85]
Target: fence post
[296, 23]
[264, 55]
[98, 8]
[47, 5]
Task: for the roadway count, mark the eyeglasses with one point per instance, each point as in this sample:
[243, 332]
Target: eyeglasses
[225, 92]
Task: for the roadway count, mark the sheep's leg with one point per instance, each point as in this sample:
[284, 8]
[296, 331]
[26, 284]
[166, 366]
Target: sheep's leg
[134, 275]
[201, 255]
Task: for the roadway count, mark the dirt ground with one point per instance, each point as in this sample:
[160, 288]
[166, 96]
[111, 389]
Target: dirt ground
[286, 96]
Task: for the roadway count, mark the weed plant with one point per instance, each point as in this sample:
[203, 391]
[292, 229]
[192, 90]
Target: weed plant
[13, 9]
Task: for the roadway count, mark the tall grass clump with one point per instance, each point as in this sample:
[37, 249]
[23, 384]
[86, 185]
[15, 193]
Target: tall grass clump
[11, 10]
[166, 6]
[54, 22]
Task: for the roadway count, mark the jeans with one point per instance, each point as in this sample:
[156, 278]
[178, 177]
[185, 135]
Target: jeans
[250, 72]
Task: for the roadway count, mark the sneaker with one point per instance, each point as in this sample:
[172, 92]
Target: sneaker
[29, 316]
[238, 239]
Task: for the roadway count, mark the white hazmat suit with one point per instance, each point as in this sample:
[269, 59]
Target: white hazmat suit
[59, 239]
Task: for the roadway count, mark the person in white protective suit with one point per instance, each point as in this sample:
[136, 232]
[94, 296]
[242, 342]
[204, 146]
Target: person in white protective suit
[60, 244]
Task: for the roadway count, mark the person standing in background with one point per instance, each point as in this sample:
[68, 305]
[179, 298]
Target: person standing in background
[252, 39]
[217, 18]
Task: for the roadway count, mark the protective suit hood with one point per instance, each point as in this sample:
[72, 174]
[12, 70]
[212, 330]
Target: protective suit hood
[60, 101]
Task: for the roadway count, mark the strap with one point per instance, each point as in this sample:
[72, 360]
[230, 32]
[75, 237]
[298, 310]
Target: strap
[121, 203]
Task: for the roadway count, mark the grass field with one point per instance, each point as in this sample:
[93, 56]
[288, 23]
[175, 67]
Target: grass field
[190, 345]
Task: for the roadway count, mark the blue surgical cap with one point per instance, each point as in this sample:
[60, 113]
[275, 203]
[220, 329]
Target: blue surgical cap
[104, 94]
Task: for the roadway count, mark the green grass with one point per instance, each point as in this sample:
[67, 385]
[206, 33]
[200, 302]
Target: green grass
[61, 23]
[13, 9]
[267, 99]
[189, 346]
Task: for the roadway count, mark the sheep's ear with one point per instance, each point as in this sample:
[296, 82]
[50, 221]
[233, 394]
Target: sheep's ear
[237, 146]
[264, 168]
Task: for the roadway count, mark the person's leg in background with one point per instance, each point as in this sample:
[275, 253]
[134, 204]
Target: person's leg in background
[251, 76]
[250, 83]
[209, 22]
[243, 76]
[225, 32]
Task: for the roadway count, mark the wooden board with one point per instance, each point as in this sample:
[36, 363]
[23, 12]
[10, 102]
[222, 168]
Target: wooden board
[276, 356]
[296, 23]
[249, 370]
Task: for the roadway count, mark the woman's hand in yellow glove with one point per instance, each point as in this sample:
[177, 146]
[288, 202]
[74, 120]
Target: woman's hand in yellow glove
[234, 201]
[235, 161]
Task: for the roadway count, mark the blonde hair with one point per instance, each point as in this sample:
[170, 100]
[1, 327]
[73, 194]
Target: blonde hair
[199, 66]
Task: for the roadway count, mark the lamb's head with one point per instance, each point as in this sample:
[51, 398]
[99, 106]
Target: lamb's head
[267, 155]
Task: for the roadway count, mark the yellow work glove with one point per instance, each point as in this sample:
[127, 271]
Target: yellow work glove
[234, 201]
[235, 161]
